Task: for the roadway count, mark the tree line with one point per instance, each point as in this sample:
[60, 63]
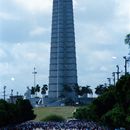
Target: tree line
[112, 107]
[11, 114]
[38, 88]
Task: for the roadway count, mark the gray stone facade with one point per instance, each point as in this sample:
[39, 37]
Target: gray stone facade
[63, 68]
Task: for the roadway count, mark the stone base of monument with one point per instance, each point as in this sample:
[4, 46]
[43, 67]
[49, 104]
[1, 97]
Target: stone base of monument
[53, 102]
[56, 102]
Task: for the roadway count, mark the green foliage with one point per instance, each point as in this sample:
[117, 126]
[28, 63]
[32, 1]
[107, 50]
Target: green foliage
[112, 107]
[55, 118]
[86, 113]
[71, 92]
[44, 89]
[3, 117]
[100, 89]
[127, 39]
[67, 88]
[33, 90]
[83, 90]
[37, 88]
[115, 117]
[123, 91]
[104, 102]
[66, 112]
[128, 119]
[3, 105]
[86, 90]
[15, 113]
[25, 110]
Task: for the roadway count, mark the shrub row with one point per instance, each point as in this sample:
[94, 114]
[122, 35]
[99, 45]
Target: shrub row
[15, 113]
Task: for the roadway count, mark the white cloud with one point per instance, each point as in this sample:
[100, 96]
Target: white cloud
[97, 59]
[38, 31]
[30, 52]
[103, 68]
[100, 30]
[2, 53]
[114, 57]
[4, 68]
[98, 34]
[35, 6]
[7, 16]
[122, 15]
[123, 7]
[75, 3]
[102, 55]
[19, 62]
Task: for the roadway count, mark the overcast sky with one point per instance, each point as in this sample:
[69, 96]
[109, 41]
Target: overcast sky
[25, 28]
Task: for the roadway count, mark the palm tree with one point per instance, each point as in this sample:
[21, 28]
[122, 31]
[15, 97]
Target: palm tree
[67, 88]
[100, 89]
[77, 90]
[127, 39]
[37, 89]
[43, 91]
[87, 90]
[83, 90]
[33, 91]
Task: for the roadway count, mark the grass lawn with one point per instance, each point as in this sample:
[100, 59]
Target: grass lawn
[65, 112]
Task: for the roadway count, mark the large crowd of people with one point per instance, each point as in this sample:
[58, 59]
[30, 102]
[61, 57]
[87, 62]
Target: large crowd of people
[68, 125]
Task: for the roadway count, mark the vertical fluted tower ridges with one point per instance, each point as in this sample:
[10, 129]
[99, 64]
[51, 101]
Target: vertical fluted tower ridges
[63, 69]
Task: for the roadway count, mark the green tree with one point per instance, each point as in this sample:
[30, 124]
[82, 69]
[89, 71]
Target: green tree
[67, 88]
[112, 107]
[128, 121]
[25, 110]
[78, 89]
[115, 117]
[127, 39]
[37, 89]
[123, 91]
[12, 114]
[100, 89]
[44, 89]
[33, 91]
[69, 94]
[15, 113]
[105, 102]
[86, 113]
[4, 108]
[86, 90]
[83, 90]
[3, 117]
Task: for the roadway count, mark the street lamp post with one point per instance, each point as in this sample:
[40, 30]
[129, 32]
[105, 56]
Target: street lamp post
[126, 60]
[109, 81]
[11, 95]
[11, 92]
[114, 79]
[4, 92]
[17, 94]
[118, 72]
[34, 73]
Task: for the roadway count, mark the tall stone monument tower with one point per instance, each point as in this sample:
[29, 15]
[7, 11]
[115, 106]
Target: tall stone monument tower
[63, 69]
